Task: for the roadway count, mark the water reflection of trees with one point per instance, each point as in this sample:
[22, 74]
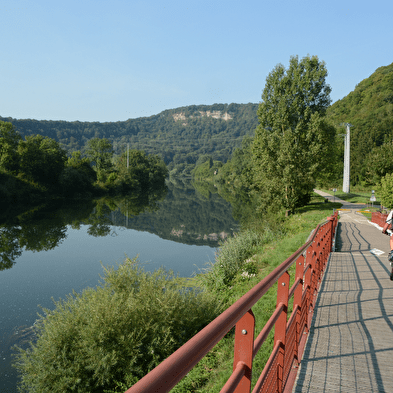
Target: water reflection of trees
[186, 216]
[10, 249]
[45, 227]
[177, 212]
[43, 235]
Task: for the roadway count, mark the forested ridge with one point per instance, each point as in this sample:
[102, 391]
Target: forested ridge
[369, 109]
[180, 136]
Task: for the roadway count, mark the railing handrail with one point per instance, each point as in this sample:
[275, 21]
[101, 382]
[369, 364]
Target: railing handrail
[167, 374]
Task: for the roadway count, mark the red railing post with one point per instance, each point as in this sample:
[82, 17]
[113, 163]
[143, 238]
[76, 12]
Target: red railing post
[308, 282]
[314, 269]
[280, 328]
[331, 219]
[297, 301]
[244, 345]
[318, 267]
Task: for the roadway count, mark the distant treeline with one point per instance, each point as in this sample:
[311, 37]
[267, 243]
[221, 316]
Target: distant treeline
[180, 136]
[184, 136]
[38, 167]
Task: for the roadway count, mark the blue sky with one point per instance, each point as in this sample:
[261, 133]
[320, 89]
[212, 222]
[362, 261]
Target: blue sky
[96, 60]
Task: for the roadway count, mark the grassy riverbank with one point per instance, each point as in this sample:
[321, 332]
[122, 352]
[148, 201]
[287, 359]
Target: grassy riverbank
[135, 319]
[283, 238]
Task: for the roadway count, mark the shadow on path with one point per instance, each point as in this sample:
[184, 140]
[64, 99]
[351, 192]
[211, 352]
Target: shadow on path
[350, 345]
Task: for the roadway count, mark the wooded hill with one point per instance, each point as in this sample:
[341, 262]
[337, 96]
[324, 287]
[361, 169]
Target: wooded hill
[181, 136]
[185, 135]
[369, 108]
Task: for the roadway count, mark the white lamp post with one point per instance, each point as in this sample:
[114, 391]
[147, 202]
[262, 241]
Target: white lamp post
[347, 155]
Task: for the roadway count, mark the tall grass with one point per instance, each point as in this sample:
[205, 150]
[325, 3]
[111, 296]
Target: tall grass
[232, 259]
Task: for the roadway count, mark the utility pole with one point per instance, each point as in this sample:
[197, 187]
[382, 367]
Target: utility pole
[128, 155]
[347, 155]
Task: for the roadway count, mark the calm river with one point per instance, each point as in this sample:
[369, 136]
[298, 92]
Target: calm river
[48, 253]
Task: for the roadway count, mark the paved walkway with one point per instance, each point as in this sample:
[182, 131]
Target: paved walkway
[350, 345]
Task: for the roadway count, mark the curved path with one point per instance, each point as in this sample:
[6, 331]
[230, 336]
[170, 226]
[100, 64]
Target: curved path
[350, 345]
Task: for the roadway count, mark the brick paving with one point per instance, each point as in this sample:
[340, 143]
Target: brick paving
[350, 345]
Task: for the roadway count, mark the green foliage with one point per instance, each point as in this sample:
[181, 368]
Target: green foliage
[9, 140]
[41, 160]
[231, 259]
[203, 159]
[140, 172]
[78, 176]
[293, 95]
[386, 190]
[100, 153]
[114, 334]
[74, 182]
[198, 376]
[15, 192]
[237, 171]
[377, 164]
[206, 168]
[293, 141]
[232, 180]
[179, 136]
[41, 163]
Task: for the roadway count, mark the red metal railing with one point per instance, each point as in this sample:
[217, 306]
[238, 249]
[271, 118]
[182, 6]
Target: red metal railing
[289, 334]
[379, 218]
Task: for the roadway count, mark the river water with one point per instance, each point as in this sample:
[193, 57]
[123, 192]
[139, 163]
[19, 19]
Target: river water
[48, 253]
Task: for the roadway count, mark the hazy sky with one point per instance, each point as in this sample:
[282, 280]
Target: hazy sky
[101, 60]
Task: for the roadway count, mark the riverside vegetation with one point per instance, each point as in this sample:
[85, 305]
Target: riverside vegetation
[37, 168]
[278, 210]
[135, 319]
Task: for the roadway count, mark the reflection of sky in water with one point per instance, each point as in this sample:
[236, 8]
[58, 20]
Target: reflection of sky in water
[36, 277]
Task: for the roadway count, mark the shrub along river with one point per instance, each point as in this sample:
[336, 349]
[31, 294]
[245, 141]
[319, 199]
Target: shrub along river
[53, 250]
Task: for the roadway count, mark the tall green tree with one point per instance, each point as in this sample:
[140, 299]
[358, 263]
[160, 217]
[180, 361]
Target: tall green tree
[42, 160]
[144, 172]
[293, 141]
[78, 176]
[82, 165]
[9, 140]
[100, 153]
